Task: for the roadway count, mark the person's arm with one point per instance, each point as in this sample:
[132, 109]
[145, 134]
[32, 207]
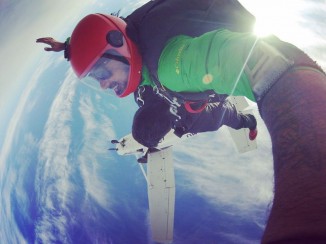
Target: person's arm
[55, 46]
[152, 121]
[294, 112]
[216, 115]
[234, 119]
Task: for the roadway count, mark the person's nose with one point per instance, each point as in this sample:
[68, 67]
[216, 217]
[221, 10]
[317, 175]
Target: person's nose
[104, 84]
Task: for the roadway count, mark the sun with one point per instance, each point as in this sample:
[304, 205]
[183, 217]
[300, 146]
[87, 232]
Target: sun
[263, 27]
[275, 17]
[272, 20]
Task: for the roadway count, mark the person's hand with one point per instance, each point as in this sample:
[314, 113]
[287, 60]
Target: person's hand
[55, 45]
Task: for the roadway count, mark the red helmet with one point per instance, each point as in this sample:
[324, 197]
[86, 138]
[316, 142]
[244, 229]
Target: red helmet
[97, 34]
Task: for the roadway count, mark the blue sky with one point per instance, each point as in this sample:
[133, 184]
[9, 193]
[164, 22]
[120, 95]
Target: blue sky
[301, 22]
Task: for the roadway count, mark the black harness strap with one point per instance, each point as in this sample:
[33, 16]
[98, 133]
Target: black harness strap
[176, 99]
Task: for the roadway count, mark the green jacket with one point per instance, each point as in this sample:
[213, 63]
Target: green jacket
[212, 61]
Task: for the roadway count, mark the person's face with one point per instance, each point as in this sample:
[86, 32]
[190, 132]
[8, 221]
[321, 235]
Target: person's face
[111, 74]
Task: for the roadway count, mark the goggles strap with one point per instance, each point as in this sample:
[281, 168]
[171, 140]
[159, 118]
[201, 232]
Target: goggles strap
[116, 57]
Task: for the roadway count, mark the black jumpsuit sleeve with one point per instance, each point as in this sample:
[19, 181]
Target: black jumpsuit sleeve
[230, 116]
[216, 115]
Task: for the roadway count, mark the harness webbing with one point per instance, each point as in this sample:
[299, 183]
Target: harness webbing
[176, 99]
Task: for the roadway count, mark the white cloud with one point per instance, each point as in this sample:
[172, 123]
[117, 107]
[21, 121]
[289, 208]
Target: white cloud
[235, 238]
[16, 118]
[8, 227]
[214, 170]
[97, 128]
[14, 124]
[52, 183]
[55, 188]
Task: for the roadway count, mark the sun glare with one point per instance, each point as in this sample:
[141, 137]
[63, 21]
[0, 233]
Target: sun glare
[263, 28]
[273, 20]
[277, 17]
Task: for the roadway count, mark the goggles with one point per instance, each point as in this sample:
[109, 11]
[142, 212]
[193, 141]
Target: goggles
[106, 75]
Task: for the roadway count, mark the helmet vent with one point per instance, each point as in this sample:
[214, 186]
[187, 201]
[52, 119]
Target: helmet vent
[115, 38]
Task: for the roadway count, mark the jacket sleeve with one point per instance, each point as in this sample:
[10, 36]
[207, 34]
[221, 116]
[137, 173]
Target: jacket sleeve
[231, 117]
[212, 118]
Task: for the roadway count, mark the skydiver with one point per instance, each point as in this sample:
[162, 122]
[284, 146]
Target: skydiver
[289, 89]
